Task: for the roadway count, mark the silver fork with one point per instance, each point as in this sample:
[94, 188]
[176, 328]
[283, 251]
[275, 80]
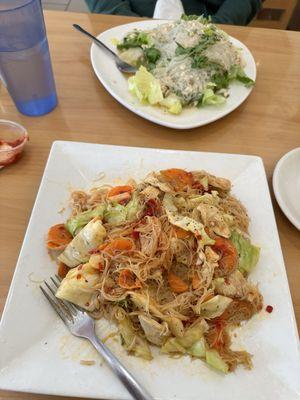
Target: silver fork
[82, 325]
[121, 65]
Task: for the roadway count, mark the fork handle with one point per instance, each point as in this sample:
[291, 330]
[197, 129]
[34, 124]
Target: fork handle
[96, 40]
[131, 384]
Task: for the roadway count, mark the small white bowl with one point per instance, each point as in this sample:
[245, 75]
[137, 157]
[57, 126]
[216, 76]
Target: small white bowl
[286, 184]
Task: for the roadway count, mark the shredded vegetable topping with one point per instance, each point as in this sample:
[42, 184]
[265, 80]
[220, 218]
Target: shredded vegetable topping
[167, 259]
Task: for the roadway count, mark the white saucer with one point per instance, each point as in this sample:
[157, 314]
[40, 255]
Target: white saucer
[286, 184]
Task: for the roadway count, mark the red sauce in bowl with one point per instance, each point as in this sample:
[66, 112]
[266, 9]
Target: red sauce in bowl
[12, 141]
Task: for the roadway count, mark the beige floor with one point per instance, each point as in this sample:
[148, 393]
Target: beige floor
[65, 5]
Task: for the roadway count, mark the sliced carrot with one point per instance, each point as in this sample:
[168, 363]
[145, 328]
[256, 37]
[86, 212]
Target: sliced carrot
[103, 245]
[62, 270]
[229, 256]
[58, 237]
[128, 280]
[115, 191]
[120, 244]
[176, 284]
[122, 198]
[196, 281]
[178, 178]
[181, 233]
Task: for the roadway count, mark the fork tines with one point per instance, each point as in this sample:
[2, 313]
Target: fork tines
[64, 309]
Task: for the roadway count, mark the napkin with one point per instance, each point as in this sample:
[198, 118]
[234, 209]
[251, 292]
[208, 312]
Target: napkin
[168, 9]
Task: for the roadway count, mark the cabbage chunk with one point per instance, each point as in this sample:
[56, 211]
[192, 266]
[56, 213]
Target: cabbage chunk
[214, 359]
[116, 214]
[76, 223]
[214, 307]
[90, 237]
[248, 254]
[132, 341]
[185, 343]
[78, 286]
[154, 331]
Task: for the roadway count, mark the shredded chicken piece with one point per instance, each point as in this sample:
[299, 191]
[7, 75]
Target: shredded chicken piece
[150, 192]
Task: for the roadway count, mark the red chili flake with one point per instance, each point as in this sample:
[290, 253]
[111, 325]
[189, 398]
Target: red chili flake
[123, 202]
[79, 267]
[135, 234]
[198, 185]
[206, 228]
[100, 267]
[151, 208]
[94, 251]
[79, 276]
[269, 309]
[87, 304]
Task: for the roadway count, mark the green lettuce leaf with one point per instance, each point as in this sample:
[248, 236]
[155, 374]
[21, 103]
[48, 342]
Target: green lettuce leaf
[75, 224]
[221, 80]
[172, 104]
[248, 254]
[145, 87]
[201, 18]
[152, 55]
[237, 72]
[134, 39]
[210, 98]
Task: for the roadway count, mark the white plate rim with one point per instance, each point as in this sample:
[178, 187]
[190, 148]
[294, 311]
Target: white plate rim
[149, 117]
[276, 186]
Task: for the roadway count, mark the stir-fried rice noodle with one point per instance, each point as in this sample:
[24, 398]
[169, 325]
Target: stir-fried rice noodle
[157, 269]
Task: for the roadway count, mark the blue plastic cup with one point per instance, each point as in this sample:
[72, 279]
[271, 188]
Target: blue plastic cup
[25, 64]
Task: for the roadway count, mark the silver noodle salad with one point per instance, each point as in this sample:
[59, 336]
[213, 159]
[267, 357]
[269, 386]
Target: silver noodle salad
[185, 63]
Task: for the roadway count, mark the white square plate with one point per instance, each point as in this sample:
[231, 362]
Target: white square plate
[116, 83]
[37, 354]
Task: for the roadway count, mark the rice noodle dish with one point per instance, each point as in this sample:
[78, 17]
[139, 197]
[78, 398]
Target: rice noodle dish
[167, 259]
[184, 63]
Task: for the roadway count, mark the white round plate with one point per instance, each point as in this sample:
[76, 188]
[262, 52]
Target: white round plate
[286, 184]
[116, 84]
